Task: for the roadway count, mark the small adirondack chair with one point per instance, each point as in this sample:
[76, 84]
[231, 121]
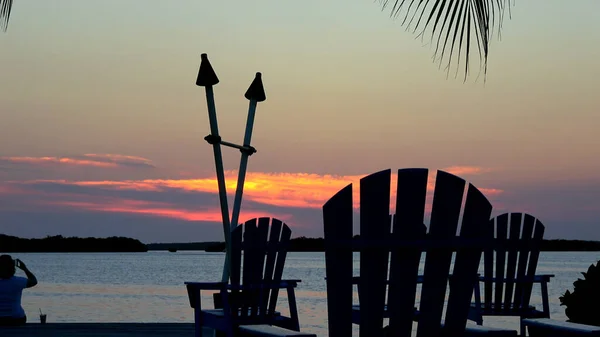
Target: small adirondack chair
[404, 241]
[509, 270]
[251, 296]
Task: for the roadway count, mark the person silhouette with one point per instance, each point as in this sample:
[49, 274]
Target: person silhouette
[11, 290]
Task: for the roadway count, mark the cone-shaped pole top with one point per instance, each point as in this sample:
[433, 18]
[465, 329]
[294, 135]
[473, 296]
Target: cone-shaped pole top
[206, 74]
[256, 91]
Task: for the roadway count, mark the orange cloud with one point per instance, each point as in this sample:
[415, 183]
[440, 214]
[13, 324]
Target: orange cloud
[294, 190]
[277, 189]
[156, 209]
[302, 190]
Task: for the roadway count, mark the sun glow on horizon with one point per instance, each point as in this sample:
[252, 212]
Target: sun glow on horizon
[282, 189]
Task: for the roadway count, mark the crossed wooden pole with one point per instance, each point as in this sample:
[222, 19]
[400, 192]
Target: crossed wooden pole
[207, 78]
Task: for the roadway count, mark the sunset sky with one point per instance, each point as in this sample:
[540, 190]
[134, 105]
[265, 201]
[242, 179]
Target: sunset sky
[102, 125]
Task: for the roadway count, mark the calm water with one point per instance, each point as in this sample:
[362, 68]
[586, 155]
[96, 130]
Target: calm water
[148, 287]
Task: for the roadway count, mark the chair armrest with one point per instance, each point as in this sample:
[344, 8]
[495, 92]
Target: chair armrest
[542, 278]
[205, 285]
[297, 281]
[292, 283]
[194, 289]
[536, 279]
[356, 279]
[271, 285]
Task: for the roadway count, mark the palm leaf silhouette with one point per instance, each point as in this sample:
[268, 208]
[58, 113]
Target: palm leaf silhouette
[5, 6]
[456, 26]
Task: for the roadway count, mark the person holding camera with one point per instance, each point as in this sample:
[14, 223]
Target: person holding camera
[11, 289]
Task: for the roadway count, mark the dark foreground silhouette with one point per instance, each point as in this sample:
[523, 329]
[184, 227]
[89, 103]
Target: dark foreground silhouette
[60, 244]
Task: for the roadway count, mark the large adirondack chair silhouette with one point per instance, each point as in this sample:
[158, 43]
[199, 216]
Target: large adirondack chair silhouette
[405, 242]
[251, 296]
[510, 270]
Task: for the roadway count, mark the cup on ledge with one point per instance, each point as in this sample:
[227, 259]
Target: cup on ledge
[43, 318]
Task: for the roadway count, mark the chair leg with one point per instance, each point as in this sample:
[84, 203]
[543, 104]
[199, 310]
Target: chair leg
[228, 331]
[476, 316]
[230, 327]
[197, 323]
[522, 326]
[293, 309]
[545, 304]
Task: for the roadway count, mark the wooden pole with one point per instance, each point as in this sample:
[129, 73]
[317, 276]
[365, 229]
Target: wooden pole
[255, 94]
[207, 78]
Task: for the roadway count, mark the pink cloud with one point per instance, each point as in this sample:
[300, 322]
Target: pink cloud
[466, 170]
[57, 160]
[86, 160]
[160, 209]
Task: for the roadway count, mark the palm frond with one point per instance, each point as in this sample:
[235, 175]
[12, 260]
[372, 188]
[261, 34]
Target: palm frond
[5, 6]
[456, 26]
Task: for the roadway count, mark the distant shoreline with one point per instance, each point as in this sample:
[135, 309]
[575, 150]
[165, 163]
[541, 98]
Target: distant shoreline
[60, 244]
[303, 244]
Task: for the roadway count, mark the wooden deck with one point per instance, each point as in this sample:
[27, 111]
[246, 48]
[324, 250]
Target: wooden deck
[103, 329]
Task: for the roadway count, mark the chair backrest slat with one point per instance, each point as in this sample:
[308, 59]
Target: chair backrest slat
[374, 226]
[528, 222]
[282, 248]
[535, 246]
[466, 264]
[445, 212]
[488, 268]
[337, 228]
[236, 267]
[501, 233]
[249, 246]
[236, 255]
[511, 262]
[408, 224]
[272, 246]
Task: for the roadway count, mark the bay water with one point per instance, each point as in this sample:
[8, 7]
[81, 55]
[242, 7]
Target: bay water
[149, 287]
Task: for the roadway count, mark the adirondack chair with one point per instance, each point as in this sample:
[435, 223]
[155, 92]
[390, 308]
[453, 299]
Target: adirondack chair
[508, 285]
[405, 242]
[251, 298]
